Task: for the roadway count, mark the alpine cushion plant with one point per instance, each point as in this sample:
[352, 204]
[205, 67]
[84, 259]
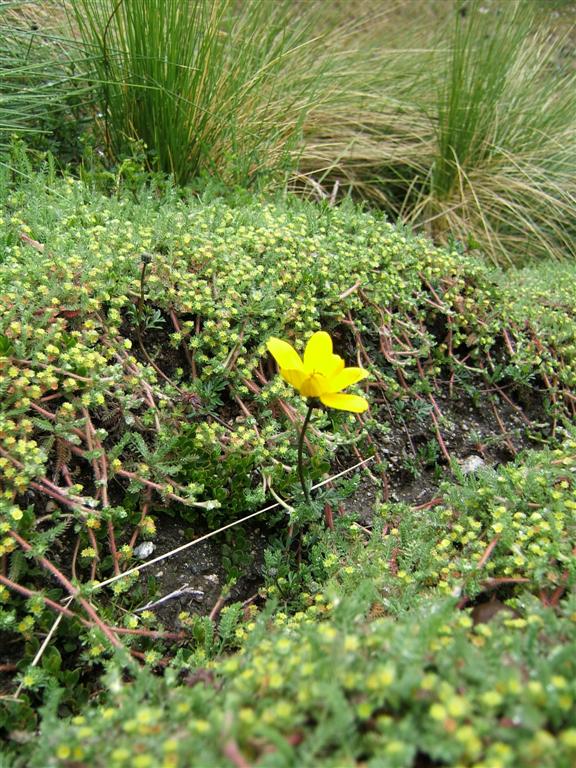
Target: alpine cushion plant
[322, 376]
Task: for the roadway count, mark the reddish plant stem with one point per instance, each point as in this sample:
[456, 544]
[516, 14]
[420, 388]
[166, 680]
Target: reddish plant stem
[450, 342]
[147, 391]
[385, 331]
[49, 488]
[153, 633]
[429, 504]
[90, 533]
[51, 603]
[495, 582]
[235, 353]
[151, 362]
[99, 466]
[552, 386]
[142, 657]
[508, 342]
[45, 486]
[378, 458]
[288, 410]
[488, 552]
[31, 242]
[244, 408]
[329, 516]
[439, 438]
[217, 607]
[53, 396]
[393, 561]
[231, 750]
[150, 484]
[435, 414]
[197, 329]
[554, 599]
[557, 462]
[75, 558]
[132, 475]
[358, 454]
[68, 374]
[70, 588]
[501, 393]
[503, 430]
[440, 304]
[512, 404]
[52, 417]
[361, 349]
[143, 515]
[402, 380]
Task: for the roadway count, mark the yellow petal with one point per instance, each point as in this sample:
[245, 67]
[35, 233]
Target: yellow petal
[295, 376]
[353, 403]
[336, 366]
[314, 385]
[318, 354]
[284, 354]
[345, 378]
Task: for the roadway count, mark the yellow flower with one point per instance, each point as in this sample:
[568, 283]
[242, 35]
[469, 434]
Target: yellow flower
[321, 374]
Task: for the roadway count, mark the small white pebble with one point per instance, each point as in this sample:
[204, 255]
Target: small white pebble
[472, 463]
[144, 550]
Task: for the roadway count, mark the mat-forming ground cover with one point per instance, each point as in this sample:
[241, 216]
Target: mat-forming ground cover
[135, 384]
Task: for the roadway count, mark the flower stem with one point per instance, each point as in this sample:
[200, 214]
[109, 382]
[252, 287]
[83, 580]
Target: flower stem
[145, 260]
[300, 451]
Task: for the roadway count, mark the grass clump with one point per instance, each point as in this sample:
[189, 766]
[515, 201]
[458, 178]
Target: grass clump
[469, 136]
[504, 138]
[41, 93]
[209, 86]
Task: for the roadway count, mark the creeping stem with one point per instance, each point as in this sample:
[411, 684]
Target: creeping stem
[300, 451]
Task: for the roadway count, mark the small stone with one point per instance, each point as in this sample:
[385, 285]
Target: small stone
[144, 550]
[471, 464]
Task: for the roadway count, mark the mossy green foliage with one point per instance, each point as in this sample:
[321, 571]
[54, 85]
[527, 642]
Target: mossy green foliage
[545, 297]
[507, 527]
[233, 276]
[98, 437]
[376, 667]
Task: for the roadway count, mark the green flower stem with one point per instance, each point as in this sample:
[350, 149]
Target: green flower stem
[145, 260]
[300, 451]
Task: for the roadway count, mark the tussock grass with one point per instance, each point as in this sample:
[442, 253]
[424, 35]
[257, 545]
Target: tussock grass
[505, 141]
[472, 137]
[208, 86]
